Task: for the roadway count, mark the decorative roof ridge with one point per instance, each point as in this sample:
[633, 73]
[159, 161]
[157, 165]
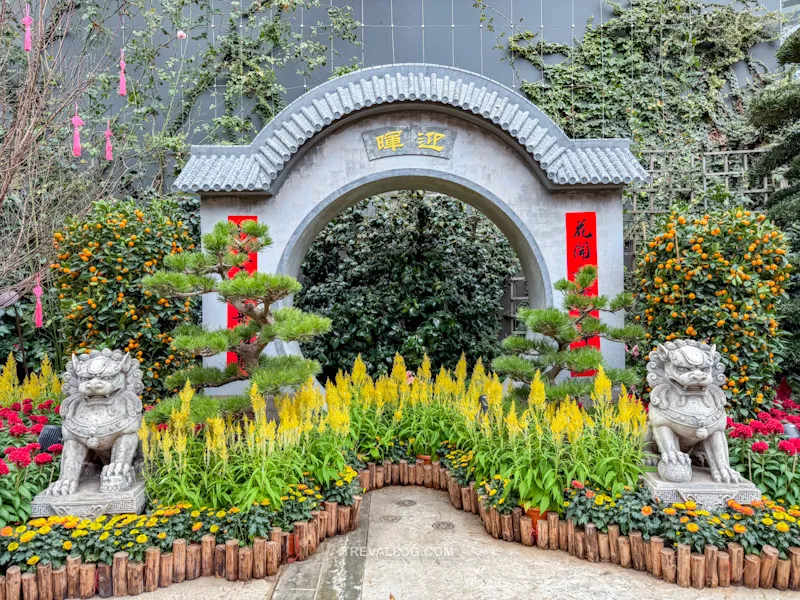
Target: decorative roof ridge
[561, 158]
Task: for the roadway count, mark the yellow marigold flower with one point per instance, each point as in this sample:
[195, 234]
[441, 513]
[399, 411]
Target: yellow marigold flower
[492, 492]
[27, 536]
[141, 538]
[690, 504]
[339, 483]
[37, 522]
[21, 529]
[782, 527]
[301, 499]
[221, 514]
[767, 521]
[195, 514]
[284, 498]
[214, 528]
[724, 516]
[692, 527]
[162, 535]
[44, 530]
[265, 502]
[234, 510]
[101, 519]
[679, 506]
[104, 536]
[67, 545]
[13, 546]
[33, 560]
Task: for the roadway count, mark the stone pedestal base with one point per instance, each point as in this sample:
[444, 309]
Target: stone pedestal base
[702, 489]
[88, 502]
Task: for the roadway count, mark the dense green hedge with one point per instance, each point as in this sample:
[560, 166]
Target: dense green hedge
[411, 275]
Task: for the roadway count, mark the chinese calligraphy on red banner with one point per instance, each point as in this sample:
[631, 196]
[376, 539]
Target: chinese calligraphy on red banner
[582, 250]
[234, 318]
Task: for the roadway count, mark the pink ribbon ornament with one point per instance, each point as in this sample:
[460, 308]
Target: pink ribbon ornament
[37, 312]
[77, 122]
[108, 134]
[27, 21]
[123, 82]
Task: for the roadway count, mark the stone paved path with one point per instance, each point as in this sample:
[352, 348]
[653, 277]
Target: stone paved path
[412, 544]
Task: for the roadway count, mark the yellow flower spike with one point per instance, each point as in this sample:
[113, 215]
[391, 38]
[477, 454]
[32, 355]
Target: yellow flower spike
[359, 376]
[536, 398]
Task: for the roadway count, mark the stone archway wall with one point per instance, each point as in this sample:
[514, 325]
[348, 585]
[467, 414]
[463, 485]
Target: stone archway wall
[508, 161]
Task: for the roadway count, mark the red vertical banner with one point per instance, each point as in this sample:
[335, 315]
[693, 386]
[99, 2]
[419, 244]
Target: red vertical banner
[582, 250]
[234, 318]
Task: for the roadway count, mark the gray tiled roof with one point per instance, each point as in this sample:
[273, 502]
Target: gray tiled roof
[563, 160]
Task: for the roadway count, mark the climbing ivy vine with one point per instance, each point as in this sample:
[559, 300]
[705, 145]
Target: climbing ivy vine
[660, 72]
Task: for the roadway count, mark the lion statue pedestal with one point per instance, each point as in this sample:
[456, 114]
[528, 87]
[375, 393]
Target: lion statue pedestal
[101, 416]
[687, 424]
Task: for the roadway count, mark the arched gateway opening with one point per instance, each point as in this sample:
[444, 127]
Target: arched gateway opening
[417, 126]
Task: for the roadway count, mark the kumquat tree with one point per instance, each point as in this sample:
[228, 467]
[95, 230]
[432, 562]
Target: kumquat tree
[720, 277]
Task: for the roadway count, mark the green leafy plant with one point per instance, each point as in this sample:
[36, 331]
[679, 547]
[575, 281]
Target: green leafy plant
[560, 339]
[225, 251]
[393, 273]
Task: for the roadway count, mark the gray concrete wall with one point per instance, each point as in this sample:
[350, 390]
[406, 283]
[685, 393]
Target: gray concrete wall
[486, 170]
[449, 32]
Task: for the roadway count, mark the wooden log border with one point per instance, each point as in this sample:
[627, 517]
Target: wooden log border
[714, 567]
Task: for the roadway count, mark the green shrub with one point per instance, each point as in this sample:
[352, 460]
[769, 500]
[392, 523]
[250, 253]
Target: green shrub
[720, 278]
[102, 259]
[412, 275]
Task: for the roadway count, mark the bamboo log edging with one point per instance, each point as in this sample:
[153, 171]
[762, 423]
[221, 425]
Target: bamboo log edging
[711, 568]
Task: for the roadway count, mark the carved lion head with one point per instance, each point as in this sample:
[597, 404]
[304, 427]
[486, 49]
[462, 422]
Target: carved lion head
[687, 364]
[100, 375]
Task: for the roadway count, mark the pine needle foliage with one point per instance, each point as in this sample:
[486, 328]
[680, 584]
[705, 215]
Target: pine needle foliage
[776, 114]
[218, 267]
[553, 343]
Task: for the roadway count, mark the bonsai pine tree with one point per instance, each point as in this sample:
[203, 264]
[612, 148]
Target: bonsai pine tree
[557, 340]
[218, 267]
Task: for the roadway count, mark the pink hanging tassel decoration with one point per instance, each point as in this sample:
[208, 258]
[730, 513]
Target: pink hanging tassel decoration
[77, 122]
[37, 313]
[123, 83]
[27, 20]
[108, 134]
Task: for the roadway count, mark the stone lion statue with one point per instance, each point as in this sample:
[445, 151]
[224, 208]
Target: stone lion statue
[102, 413]
[687, 410]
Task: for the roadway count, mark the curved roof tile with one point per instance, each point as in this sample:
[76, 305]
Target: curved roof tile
[255, 167]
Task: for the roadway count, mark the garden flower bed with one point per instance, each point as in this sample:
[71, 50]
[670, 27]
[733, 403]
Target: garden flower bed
[238, 497]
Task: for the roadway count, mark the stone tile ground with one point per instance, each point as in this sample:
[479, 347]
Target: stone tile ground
[413, 545]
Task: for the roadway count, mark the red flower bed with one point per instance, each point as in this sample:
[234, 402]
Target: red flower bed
[763, 453]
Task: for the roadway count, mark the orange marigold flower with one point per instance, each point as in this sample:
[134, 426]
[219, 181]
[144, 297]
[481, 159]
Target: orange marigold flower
[6, 531]
[670, 511]
[647, 511]
[739, 528]
[589, 494]
[684, 519]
